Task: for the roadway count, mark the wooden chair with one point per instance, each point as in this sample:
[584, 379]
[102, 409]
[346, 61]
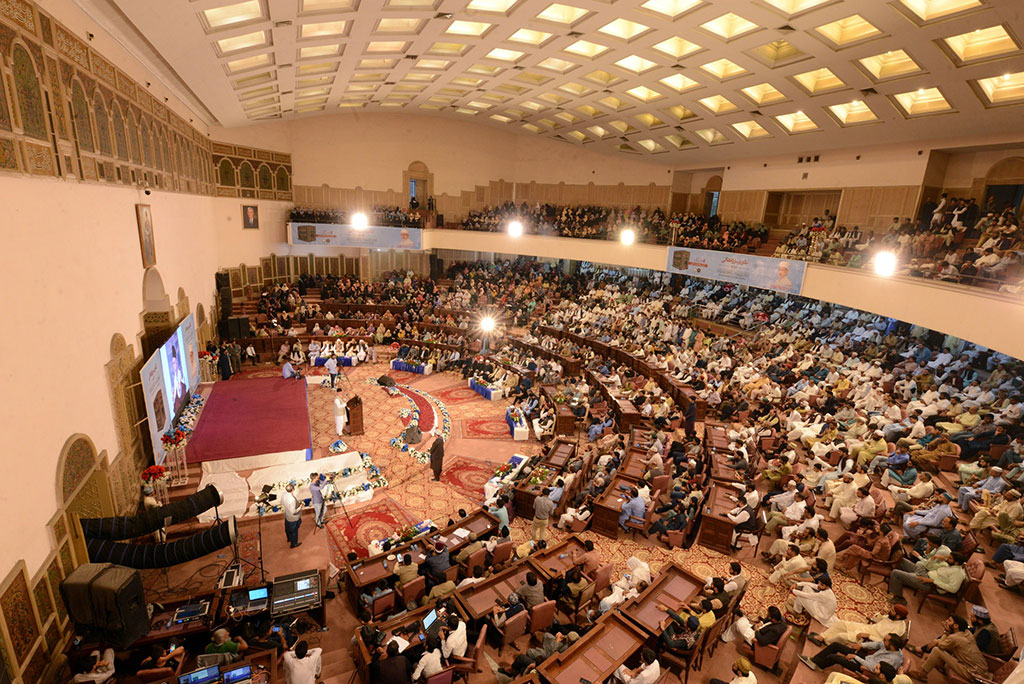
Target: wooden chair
[602, 578]
[542, 615]
[643, 525]
[383, 605]
[470, 663]
[445, 676]
[476, 559]
[580, 525]
[995, 452]
[502, 552]
[975, 574]
[514, 628]
[583, 601]
[452, 573]
[947, 462]
[768, 656]
[967, 547]
[883, 568]
[660, 483]
[413, 590]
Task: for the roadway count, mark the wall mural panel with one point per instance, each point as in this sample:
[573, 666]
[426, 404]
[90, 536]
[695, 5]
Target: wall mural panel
[54, 577]
[79, 458]
[30, 97]
[16, 605]
[41, 594]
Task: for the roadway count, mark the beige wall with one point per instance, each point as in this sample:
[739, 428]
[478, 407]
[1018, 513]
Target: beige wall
[372, 151]
[874, 207]
[74, 275]
[879, 166]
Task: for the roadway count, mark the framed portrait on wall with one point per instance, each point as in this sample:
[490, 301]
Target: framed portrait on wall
[250, 217]
[147, 243]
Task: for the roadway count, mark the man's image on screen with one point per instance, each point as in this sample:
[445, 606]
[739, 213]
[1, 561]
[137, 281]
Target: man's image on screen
[179, 384]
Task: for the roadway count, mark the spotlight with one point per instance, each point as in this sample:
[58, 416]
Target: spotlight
[885, 263]
[487, 324]
[515, 229]
[359, 221]
[627, 237]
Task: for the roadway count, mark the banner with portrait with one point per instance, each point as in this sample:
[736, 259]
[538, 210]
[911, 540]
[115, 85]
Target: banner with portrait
[766, 273]
[338, 235]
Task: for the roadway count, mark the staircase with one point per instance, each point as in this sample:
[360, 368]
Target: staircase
[776, 236]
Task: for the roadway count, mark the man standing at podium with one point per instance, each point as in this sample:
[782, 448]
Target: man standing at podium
[340, 413]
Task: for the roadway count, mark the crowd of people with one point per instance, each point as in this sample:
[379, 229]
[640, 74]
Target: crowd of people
[379, 215]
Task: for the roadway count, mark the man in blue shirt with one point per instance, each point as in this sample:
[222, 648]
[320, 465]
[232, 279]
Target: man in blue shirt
[993, 483]
[556, 492]
[316, 494]
[289, 372]
[633, 509]
[873, 659]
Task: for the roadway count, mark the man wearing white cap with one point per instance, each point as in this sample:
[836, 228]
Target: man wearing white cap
[783, 282]
[994, 483]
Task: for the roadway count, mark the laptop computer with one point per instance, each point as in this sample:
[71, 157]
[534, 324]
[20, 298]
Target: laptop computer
[258, 598]
[239, 675]
[203, 676]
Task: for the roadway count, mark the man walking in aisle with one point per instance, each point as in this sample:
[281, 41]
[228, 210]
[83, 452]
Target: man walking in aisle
[316, 494]
[292, 515]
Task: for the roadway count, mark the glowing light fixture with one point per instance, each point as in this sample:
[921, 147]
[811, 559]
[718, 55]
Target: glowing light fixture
[487, 324]
[360, 222]
[885, 263]
[515, 229]
[627, 237]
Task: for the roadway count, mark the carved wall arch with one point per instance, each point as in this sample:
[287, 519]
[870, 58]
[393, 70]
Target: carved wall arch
[77, 458]
[418, 172]
[157, 316]
[126, 406]
[1009, 171]
[183, 305]
[83, 489]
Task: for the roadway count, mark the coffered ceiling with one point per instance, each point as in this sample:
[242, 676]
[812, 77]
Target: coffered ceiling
[668, 79]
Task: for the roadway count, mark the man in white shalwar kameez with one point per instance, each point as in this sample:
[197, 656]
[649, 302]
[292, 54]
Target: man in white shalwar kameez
[792, 563]
[848, 631]
[340, 414]
[816, 599]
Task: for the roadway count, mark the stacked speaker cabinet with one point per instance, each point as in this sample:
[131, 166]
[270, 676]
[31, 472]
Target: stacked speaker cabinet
[109, 599]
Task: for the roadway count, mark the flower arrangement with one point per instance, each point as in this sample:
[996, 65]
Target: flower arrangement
[559, 398]
[176, 435]
[503, 470]
[154, 473]
[338, 447]
[445, 423]
[540, 475]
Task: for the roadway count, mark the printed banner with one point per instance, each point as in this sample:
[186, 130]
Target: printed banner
[743, 269]
[336, 235]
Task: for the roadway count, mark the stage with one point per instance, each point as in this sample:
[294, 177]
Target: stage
[250, 423]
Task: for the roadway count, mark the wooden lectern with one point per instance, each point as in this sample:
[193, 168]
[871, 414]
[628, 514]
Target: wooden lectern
[355, 416]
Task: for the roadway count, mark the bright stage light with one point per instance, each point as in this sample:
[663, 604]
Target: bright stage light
[487, 324]
[627, 237]
[359, 221]
[515, 229]
[885, 264]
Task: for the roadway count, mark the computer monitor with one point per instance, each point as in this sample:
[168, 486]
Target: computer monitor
[203, 676]
[429, 619]
[303, 585]
[238, 674]
[257, 594]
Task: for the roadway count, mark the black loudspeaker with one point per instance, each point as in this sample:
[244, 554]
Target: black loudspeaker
[225, 302]
[130, 527]
[439, 222]
[222, 279]
[386, 381]
[241, 328]
[109, 599]
[146, 556]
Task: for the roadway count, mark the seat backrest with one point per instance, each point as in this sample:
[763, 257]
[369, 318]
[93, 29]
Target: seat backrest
[502, 552]
[414, 589]
[586, 596]
[445, 676]
[452, 573]
[542, 615]
[660, 483]
[515, 627]
[383, 604]
[478, 647]
[603, 577]
[476, 559]
[208, 659]
[975, 568]
[970, 542]
[156, 674]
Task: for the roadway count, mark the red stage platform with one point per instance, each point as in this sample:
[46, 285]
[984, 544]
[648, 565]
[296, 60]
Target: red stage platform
[253, 423]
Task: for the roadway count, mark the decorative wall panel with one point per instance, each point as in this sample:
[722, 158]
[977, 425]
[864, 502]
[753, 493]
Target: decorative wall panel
[16, 606]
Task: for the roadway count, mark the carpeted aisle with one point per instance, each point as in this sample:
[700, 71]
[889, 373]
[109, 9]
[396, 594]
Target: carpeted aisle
[248, 417]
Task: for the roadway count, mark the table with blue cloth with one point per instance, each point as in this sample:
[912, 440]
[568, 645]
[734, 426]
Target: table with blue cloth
[485, 392]
[342, 360]
[520, 432]
[400, 365]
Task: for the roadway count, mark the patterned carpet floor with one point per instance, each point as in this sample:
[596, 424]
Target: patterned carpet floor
[412, 496]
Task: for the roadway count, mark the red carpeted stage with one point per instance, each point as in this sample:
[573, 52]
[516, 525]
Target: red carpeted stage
[252, 424]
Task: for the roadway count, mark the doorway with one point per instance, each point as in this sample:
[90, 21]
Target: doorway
[711, 203]
[1004, 196]
[792, 209]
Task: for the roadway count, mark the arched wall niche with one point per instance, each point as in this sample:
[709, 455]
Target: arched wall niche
[419, 173]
